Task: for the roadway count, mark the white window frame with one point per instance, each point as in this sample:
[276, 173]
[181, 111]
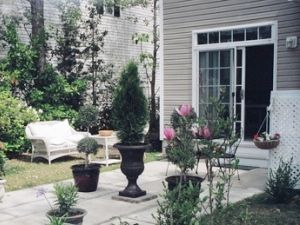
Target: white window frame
[229, 45]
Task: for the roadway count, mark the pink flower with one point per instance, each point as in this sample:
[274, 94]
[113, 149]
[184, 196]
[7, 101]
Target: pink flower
[169, 133]
[206, 132]
[255, 137]
[277, 136]
[196, 131]
[184, 110]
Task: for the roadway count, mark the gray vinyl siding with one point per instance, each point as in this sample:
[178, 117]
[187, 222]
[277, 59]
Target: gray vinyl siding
[181, 17]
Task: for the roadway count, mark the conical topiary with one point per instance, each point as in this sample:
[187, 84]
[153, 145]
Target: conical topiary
[129, 107]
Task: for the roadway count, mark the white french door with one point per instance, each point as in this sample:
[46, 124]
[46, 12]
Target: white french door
[222, 76]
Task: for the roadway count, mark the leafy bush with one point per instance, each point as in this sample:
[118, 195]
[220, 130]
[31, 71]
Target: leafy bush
[87, 117]
[280, 183]
[67, 197]
[14, 116]
[2, 162]
[129, 107]
[88, 146]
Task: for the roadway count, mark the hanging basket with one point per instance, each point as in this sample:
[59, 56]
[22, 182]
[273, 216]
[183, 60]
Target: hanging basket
[266, 144]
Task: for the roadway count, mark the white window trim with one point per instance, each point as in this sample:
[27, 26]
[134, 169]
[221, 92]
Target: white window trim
[229, 45]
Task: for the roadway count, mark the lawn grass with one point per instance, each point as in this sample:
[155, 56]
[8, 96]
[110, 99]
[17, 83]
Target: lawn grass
[21, 173]
[258, 210]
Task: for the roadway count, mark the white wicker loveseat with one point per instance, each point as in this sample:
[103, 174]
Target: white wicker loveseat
[53, 139]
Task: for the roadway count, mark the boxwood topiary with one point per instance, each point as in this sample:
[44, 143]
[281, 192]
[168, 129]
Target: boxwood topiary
[88, 146]
[129, 107]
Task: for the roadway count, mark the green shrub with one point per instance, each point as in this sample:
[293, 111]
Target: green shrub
[2, 163]
[129, 107]
[14, 116]
[66, 198]
[87, 117]
[280, 183]
[88, 146]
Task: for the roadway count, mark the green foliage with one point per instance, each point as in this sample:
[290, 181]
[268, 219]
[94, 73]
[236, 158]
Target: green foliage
[14, 116]
[53, 220]
[66, 198]
[179, 206]
[2, 162]
[129, 107]
[88, 146]
[87, 116]
[280, 183]
[17, 69]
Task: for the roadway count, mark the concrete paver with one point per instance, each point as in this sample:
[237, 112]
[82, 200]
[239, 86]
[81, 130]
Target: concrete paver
[24, 208]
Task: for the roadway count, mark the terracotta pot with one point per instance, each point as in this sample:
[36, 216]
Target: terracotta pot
[76, 215]
[132, 166]
[105, 132]
[2, 189]
[86, 179]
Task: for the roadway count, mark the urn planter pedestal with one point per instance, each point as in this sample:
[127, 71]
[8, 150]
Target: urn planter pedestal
[132, 166]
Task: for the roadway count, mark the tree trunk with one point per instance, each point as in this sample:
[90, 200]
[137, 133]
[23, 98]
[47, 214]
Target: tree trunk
[152, 124]
[38, 35]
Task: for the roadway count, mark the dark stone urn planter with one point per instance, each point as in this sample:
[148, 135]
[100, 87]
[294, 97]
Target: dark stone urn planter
[132, 166]
[75, 217]
[86, 179]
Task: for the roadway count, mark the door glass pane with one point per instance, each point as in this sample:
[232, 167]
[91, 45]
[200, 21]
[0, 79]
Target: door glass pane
[213, 78]
[203, 60]
[238, 128]
[251, 33]
[238, 112]
[225, 94]
[239, 76]
[238, 94]
[226, 36]
[239, 57]
[224, 76]
[213, 37]
[203, 77]
[212, 92]
[225, 58]
[214, 59]
[239, 35]
[202, 38]
[203, 95]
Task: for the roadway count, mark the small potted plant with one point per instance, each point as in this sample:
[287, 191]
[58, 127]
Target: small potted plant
[2, 172]
[130, 115]
[266, 141]
[86, 175]
[181, 147]
[64, 210]
[87, 117]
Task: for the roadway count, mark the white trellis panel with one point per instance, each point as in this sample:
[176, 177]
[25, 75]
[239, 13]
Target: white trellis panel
[285, 120]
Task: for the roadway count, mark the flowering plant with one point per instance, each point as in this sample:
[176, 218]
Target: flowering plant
[266, 137]
[180, 149]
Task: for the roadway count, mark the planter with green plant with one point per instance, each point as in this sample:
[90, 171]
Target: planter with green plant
[2, 172]
[86, 175]
[181, 146]
[64, 211]
[87, 117]
[129, 113]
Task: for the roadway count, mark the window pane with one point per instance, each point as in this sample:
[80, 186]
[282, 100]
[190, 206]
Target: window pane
[203, 60]
[239, 57]
[225, 58]
[225, 76]
[213, 37]
[202, 38]
[251, 33]
[203, 95]
[225, 94]
[203, 77]
[239, 35]
[212, 92]
[213, 78]
[264, 32]
[239, 76]
[214, 59]
[226, 36]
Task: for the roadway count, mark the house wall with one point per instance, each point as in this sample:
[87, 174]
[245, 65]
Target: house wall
[181, 17]
[118, 48]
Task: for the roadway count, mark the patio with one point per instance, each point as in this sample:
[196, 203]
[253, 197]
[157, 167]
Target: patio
[23, 207]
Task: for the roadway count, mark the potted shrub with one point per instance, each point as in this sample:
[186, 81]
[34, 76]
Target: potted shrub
[2, 172]
[129, 113]
[66, 198]
[86, 175]
[181, 146]
[87, 117]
